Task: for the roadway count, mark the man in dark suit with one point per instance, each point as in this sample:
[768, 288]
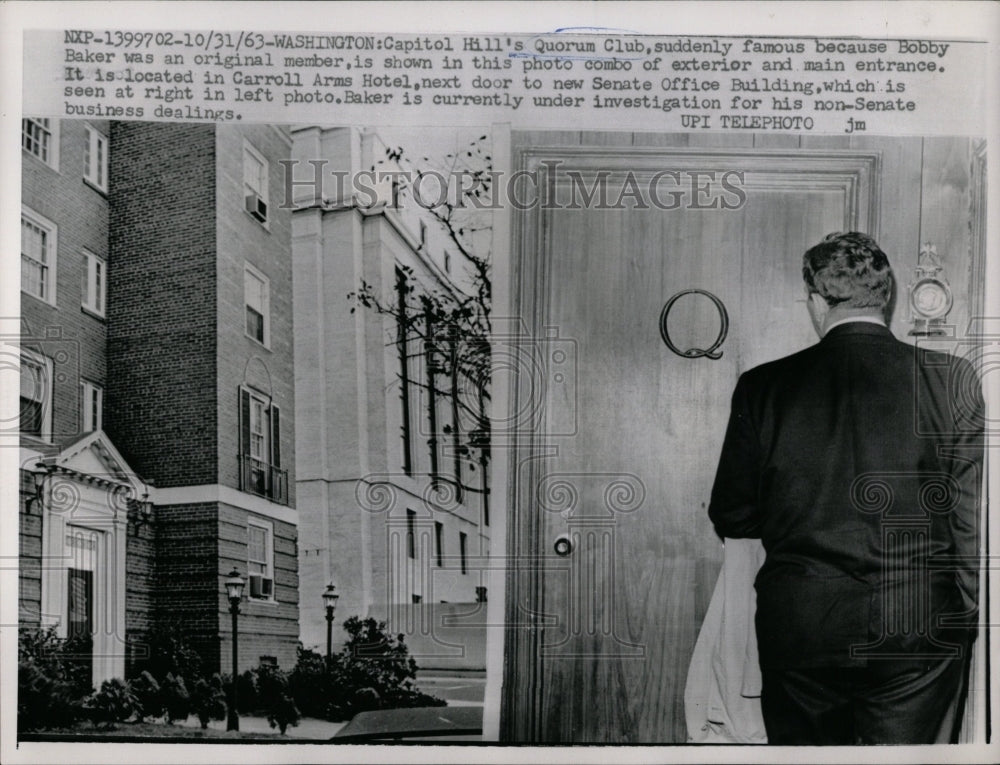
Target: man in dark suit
[857, 462]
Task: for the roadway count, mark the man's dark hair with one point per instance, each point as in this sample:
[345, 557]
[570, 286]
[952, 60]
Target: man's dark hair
[848, 269]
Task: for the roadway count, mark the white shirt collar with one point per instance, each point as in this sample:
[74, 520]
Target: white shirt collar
[866, 319]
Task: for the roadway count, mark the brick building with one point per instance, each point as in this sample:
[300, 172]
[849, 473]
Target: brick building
[390, 511]
[157, 428]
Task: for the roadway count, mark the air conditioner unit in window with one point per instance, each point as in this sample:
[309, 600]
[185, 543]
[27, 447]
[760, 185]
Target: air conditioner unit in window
[256, 206]
[261, 586]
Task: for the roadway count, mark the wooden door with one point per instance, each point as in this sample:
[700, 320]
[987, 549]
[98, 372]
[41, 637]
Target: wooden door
[617, 467]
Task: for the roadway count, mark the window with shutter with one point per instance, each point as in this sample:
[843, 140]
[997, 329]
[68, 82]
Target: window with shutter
[260, 453]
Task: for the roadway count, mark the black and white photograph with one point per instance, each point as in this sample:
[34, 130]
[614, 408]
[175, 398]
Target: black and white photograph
[614, 384]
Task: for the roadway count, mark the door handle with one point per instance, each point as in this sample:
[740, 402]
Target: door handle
[563, 545]
[712, 352]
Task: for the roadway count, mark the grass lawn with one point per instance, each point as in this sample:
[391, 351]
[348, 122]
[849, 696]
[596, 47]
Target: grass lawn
[145, 731]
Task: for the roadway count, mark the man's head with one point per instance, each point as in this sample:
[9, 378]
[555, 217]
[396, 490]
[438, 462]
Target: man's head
[846, 275]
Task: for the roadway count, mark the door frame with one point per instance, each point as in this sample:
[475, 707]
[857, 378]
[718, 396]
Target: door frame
[857, 173]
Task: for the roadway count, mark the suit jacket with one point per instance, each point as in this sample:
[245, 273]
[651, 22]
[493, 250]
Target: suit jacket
[857, 462]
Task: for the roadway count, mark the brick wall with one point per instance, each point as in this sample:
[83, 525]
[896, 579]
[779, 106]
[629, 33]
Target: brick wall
[30, 551]
[161, 402]
[242, 239]
[266, 628]
[73, 338]
[186, 579]
[140, 588]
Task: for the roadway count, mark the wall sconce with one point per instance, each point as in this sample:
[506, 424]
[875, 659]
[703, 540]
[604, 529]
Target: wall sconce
[930, 295]
[144, 507]
[37, 496]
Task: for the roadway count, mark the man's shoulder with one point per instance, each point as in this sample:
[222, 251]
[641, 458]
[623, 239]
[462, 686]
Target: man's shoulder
[780, 368]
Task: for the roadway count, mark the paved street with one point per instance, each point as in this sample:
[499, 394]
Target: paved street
[457, 689]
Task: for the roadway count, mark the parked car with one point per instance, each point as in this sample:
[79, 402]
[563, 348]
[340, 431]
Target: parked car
[428, 724]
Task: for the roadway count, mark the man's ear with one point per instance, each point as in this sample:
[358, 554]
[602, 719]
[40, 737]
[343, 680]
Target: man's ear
[818, 303]
[818, 310]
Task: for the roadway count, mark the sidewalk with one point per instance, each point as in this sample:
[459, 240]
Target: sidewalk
[308, 727]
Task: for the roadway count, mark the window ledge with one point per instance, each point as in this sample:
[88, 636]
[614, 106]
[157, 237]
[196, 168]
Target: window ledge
[91, 312]
[102, 191]
[262, 601]
[265, 346]
[40, 299]
[30, 438]
[49, 165]
[264, 224]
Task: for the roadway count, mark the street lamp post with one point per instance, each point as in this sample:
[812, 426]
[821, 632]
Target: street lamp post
[330, 598]
[234, 590]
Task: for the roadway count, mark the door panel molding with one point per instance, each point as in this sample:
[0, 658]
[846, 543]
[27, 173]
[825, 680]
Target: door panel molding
[855, 175]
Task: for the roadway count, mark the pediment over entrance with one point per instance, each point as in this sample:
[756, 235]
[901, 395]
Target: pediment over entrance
[95, 458]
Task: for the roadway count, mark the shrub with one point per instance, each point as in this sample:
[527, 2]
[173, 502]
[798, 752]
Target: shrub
[44, 702]
[272, 695]
[309, 683]
[282, 712]
[63, 659]
[372, 658]
[246, 687]
[208, 700]
[113, 703]
[176, 699]
[373, 671]
[365, 700]
[171, 654]
[53, 679]
[148, 697]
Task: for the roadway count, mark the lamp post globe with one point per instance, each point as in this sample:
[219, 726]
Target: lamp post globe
[234, 591]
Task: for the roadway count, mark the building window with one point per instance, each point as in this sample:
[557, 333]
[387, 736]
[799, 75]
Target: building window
[95, 159]
[402, 331]
[260, 559]
[95, 279]
[462, 551]
[36, 395]
[255, 183]
[447, 262]
[260, 453]
[411, 534]
[38, 257]
[439, 543]
[423, 234]
[40, 138]
[92, 407]
[257, 298]
[416, 598]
